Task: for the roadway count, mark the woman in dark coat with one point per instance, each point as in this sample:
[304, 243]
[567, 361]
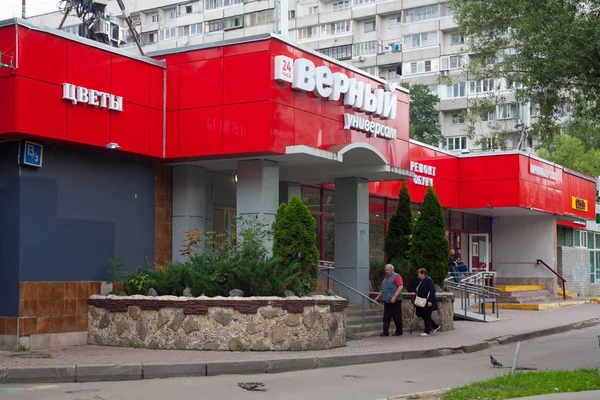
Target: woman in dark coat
[426, 289]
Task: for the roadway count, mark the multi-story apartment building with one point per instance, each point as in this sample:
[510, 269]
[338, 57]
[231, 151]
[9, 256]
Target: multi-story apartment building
[414, 41]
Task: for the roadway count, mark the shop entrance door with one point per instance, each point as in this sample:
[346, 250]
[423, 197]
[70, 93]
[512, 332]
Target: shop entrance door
[479, 252]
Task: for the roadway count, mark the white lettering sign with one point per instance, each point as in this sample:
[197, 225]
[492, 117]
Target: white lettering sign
[372, 128]
[79, 94]
[541, 171]
[425, 170]
[304, 76]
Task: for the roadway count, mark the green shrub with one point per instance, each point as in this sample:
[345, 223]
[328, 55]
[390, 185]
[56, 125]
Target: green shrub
[408, 274]
[400, 228]
[430, 248]
[294, 240]
[376, 274]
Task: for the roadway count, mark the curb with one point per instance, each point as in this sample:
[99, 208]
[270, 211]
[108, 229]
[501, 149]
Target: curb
[115, 372]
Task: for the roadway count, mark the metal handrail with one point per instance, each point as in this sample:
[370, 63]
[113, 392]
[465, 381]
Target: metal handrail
[557, 275]
[468, 288]
[363, 296]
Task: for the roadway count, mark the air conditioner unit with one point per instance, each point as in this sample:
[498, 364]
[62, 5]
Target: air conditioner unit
[101, 27]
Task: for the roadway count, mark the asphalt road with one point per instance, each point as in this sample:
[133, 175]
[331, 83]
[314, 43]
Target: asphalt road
[570, 350]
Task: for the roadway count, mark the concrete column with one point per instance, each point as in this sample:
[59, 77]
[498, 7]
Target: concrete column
[190, 189]
[287, 190]
[352, 236]
[258, 191]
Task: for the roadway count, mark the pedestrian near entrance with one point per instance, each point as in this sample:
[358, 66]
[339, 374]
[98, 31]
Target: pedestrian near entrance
[426, 290]
[391, 293]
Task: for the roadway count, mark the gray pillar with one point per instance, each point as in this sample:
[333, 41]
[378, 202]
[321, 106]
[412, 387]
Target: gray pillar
[258, 191]
[352, 236]
[190, 191]
[287, 190]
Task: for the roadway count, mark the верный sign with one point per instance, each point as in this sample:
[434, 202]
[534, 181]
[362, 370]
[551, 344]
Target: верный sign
[79, 94]
[322, 82]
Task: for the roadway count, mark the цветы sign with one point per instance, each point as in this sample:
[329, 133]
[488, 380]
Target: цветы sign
[304, 76]
[79, 94]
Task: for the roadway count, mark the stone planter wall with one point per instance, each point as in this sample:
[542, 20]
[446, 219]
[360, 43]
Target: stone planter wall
[219, 323]
[443, 316]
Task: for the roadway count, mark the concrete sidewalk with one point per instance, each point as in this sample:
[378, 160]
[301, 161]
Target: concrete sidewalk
[588, 395]
[91, 363]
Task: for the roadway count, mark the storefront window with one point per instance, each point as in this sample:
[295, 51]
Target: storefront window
[564, 236]
[471, 222]
[328, 201]
[377, 208]
[329, 251]
[456, 220]
[485, 224]
[391, 207]
[376, 240]
[311, 196]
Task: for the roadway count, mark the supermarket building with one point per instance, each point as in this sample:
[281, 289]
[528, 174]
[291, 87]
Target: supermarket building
[103, 153]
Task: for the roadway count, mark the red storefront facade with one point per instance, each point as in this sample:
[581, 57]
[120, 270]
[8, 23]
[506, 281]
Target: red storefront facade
[142, 127]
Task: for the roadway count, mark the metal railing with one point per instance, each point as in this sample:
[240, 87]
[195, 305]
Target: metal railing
[473, 291]
[557, 275]
[324, 267]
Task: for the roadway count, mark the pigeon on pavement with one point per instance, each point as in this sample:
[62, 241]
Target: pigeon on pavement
[495, 362]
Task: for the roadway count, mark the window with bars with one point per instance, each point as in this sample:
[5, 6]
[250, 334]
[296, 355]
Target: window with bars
[338, 52]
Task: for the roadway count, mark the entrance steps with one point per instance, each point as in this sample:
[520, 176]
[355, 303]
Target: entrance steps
[524, 294]
[569, 294]
[373, 320]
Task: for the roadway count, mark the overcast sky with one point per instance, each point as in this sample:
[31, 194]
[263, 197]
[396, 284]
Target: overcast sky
[12, 8]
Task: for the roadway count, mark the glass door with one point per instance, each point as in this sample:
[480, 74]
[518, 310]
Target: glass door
[479, 252]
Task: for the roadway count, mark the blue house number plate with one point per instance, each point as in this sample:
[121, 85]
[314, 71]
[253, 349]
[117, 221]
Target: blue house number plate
[31, 154]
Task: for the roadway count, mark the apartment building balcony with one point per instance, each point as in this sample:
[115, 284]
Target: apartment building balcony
[364, 61]
[389, 7]
[407, 4]
[187, 19]
[364, 11]
[389, 58]
[236, 9]
[334, 16]
[335, 41]
[307, 20]
[447, 24]
[258, 6]
[417, 54]
[210, 15]
[453, 104]
[410, 28]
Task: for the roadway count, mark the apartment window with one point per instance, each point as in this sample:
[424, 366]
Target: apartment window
[456, 39]
[580, 238]
[365, 48]
[259, 18]
[446, 10]
[420, 67]
[370, 26]
[456, 90]
[534, 110]
[506, 111]
[456, 143]
[341, 5]
[150, 37]
[291, 14]
[370, 70]
[154, 18]
[173, 14]
[338, 52]
[421, 13]
[360, 2]
[458, 118]
[189, 8]
[136, 19]
[313, 10]
[395, 21]
[74, 30]
[234, 22]
[421, 40]
[342, 27]
[212, 4]
[213, 26]
[487, 116]
[488, 144]
[232, 2]
[189, 30]
[481, 86]
[168, 34]
[433, 88]
[308, 33]
[394, 72]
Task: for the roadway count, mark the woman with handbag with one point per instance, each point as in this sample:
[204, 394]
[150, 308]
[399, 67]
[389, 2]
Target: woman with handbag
[426, 302]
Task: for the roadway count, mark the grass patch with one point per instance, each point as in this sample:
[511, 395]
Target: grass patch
[527, 384]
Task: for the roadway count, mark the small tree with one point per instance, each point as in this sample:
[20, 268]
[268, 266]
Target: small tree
[429, 247]
[294, 240]
[400, 228]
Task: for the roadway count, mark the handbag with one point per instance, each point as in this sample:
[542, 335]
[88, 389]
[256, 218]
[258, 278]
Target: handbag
[420, 301]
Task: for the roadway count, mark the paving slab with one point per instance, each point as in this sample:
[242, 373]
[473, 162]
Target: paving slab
[113, 363]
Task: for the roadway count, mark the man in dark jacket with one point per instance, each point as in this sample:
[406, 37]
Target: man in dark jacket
[426, 289]
[391, 292]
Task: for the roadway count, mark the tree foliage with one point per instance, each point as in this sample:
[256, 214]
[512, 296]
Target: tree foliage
[400, 227]
[571, 152]
[429, 247]
[424, 123]
[550, 47]
[294, 241]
